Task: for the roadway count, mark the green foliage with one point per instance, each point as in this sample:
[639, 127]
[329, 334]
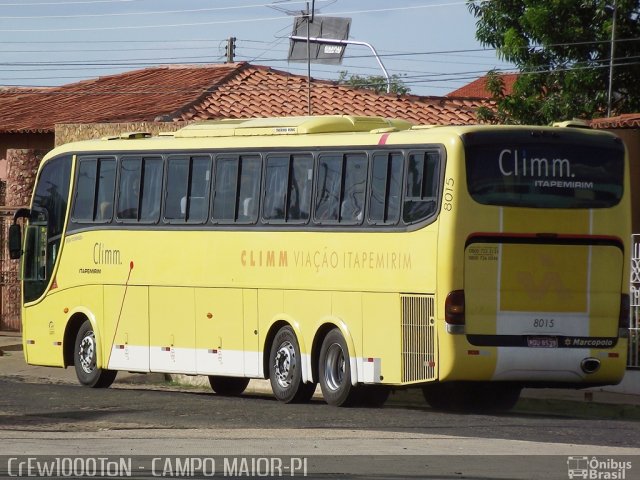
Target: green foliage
[377, 83]
[562, 50]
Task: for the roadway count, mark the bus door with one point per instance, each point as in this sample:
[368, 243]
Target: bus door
[43, 321]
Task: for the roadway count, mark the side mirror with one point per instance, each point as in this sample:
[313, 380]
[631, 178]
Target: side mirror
[15, 241]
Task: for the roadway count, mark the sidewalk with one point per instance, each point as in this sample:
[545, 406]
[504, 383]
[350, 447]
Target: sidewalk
[622, 401]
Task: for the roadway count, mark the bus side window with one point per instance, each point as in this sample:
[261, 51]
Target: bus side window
[386, 188]
[329, 182]
[105, 189]
[85, 190]
[95, 185]
[340, 189]
[287, 187]
[129, 188]
[237, 189]
[421, 186]
[355, 185]
[300, 185]
[139, 189]
[150, 190]
[249, 191]
[176, 193]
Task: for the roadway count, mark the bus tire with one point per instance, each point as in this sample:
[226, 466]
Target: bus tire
[496, 397]
[285, 369]
[228, 386]
[373, 396]
[335, 371]
[85, 355]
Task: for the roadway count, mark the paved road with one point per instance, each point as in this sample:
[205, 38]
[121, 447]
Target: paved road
[71, 420]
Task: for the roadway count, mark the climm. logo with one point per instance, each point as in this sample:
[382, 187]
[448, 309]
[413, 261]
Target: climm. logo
[516, 163]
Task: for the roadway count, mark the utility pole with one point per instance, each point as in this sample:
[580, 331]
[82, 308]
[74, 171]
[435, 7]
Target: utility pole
[611, 59]
[309, 15]
[230, 49]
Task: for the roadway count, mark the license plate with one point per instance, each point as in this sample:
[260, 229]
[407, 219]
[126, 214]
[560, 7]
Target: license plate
[542, 342]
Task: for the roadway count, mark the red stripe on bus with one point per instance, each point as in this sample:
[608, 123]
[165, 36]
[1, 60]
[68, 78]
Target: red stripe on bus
[383, 139]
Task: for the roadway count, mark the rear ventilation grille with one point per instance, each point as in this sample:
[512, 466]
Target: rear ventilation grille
[418, 338]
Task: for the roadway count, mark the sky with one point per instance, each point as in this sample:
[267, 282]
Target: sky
[429, 43]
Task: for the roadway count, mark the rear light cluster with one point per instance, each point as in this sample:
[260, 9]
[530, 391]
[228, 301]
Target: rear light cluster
[454, 308]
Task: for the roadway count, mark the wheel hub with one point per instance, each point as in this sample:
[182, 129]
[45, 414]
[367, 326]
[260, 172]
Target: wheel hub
[285, 364]
[87, 353]
[334, 367]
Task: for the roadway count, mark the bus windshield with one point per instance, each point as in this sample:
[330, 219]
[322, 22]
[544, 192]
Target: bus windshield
[46, 225]
[544, 171]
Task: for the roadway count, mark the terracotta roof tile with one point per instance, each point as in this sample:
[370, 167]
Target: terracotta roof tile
[629, 120]
[212, 92]
[478, 88]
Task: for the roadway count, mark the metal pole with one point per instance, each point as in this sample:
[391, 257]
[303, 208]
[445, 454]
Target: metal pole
[309, 20]
[347, 42]
[611, 59]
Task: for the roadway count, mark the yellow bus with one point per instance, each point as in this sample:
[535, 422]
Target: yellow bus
[360, 253]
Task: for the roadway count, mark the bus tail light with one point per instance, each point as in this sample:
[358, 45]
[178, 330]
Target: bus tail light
[454, 311]
[625, 316]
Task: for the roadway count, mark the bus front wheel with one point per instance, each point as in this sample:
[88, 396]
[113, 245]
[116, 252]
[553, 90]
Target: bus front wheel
[228, 386]
[335, 371]
[85, 359]
[285, 369]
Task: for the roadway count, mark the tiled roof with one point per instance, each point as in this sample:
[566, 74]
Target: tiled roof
[263, 92]
[478, 88]
[140, 95]
[237, 90]
[629, 120]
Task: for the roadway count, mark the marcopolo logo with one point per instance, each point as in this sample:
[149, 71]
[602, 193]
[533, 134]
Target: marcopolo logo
[597, 468]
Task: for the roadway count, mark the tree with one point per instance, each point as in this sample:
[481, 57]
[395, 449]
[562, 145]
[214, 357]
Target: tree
[562, 50]
[377, 83]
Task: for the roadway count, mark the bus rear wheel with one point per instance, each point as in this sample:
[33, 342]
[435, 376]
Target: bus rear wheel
[228, 386]
[480, 397]
[285, 369]
[85, 357]
[373, 396]
[335, 371]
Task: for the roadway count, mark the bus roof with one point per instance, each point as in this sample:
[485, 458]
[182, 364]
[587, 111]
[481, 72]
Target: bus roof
[291, 126]
[292, 132]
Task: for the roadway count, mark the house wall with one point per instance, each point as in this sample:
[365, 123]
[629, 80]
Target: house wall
[631, 138]
[74, 132]
[36, 141]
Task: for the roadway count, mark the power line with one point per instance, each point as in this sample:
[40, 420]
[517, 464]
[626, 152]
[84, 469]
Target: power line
[220, 22]
[414, 80]
[127, 14]
[41, 4]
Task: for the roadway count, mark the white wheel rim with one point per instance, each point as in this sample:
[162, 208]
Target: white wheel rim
[285, 364]
[87, 352]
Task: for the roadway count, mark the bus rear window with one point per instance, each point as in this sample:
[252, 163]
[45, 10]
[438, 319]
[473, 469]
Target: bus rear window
[575, 171]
